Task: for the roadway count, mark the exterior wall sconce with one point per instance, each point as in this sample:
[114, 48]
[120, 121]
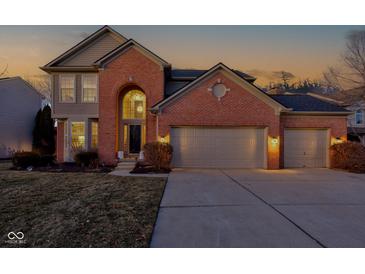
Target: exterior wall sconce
[274, 141]
[338, 140]
[164, 139]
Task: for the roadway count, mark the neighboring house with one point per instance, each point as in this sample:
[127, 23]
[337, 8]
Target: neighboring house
[356, 122]
[113, 94]
[19, 104]
[352, 100]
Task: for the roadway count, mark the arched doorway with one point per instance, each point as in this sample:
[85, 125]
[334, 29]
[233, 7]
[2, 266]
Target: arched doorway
[132, 120]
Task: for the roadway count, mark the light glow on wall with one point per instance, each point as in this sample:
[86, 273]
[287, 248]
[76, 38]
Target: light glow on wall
[338, 140]
[274, 141]
[273, 146]
[164, 139]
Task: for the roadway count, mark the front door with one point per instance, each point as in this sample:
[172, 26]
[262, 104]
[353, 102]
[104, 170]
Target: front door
[134, 138]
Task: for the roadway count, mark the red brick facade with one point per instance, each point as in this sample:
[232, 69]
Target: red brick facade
[130, 68]
[198, 107]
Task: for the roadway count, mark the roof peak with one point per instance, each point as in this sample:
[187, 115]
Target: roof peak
[124, 45]
[89, 39]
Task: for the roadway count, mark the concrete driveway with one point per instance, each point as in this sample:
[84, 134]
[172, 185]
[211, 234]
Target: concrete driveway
[262, 208]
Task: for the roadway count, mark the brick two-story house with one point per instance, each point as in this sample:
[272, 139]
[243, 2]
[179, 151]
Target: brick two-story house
[112, 94]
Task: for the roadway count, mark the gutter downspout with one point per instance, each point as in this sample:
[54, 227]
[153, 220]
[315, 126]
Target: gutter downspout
[157, 114]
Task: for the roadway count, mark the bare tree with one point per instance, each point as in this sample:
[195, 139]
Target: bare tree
[284, 76]
[283, 86]
[41, 83]
[4, 71]
[351, 73]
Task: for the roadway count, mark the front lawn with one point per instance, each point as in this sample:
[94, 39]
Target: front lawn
[77, 209]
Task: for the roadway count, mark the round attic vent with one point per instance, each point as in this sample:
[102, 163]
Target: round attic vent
[219, 90]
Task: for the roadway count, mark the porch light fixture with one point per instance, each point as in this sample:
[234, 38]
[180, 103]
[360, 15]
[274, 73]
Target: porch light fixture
[274, 141]
[338, 140]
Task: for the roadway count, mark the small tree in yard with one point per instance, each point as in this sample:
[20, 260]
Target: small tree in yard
[43, 132]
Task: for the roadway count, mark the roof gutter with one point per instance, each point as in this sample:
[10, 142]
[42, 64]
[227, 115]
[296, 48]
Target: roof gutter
[70, 69]
[319, 113]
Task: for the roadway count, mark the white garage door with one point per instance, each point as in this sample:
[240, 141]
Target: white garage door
[218, 147]
[305, 147]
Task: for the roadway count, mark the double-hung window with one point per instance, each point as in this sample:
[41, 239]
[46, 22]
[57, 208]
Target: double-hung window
[67, 89]
[89, 88]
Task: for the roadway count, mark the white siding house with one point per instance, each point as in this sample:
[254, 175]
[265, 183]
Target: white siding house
[19, 103]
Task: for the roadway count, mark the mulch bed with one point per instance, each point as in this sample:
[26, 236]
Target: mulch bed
[146, 168]
[68, 167]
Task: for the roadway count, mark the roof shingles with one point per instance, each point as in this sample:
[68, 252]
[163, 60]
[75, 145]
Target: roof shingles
[306, 103]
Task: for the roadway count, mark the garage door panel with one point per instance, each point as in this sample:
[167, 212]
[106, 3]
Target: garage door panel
[218, 147]
[305, 147]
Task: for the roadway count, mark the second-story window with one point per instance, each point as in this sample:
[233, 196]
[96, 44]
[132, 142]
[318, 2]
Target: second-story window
[89, 88]
[359, 117]
[67, 88]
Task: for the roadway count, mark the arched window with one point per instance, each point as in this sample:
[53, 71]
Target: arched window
[134, 105]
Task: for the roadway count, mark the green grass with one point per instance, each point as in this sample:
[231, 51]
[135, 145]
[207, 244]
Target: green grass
[77, 209]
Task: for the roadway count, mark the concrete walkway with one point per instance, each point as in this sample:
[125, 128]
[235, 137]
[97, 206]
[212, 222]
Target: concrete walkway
[126, 173]
[261, 208]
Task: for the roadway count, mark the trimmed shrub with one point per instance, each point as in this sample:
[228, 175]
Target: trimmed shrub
[349, 156]
[158, 154]
[25, 159]
[87, 159]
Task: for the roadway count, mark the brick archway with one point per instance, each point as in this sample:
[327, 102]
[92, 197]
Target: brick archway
[131, 120]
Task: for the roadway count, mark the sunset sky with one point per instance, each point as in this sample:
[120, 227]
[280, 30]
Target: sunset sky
[305, 51]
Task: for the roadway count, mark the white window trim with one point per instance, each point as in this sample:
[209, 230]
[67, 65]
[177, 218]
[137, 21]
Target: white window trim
[59, 87]
[82, 88]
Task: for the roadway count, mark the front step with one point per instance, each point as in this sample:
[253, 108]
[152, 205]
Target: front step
[124, 164]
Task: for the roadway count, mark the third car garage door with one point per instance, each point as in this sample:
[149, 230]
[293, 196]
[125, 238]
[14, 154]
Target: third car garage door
[218, 147]
[305, 147]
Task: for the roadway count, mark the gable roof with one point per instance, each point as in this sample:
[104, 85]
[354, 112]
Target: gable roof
[221, 67]
[84, 44]
[120, 49]
[307, 103]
